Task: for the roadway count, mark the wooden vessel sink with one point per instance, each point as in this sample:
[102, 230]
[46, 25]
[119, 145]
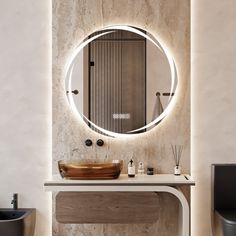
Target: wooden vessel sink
[83, 171]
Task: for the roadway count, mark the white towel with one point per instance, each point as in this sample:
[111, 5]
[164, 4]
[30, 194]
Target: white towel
[158, 108]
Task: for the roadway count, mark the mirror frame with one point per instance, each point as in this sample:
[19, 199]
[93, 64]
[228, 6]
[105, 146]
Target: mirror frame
[174, 79]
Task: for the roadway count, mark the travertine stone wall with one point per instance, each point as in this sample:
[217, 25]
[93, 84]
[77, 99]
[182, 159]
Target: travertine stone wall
[169, 21]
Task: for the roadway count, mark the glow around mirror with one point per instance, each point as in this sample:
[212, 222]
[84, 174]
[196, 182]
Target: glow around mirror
[70, 67]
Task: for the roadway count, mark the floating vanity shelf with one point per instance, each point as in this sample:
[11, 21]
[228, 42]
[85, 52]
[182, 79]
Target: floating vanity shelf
[71, 189]
[120, 184]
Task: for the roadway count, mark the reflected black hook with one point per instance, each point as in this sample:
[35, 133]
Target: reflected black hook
[75, 92]
[165, 94]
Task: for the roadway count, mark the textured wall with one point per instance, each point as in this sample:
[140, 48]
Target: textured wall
[25, 101]
[169, 21]
[213, 100]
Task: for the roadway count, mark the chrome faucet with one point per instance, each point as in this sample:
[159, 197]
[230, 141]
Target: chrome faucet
[14, 201]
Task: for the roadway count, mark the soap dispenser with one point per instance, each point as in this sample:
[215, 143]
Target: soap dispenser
[131, 168]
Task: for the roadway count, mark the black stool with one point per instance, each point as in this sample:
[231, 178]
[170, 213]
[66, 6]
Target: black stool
[224, 199]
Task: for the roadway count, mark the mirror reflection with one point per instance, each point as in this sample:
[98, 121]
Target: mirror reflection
[120, 81]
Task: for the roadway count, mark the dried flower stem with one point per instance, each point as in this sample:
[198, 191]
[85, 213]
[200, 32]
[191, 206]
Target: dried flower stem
[177, 152]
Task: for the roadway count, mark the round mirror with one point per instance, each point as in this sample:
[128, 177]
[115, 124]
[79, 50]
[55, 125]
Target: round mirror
[121, 80]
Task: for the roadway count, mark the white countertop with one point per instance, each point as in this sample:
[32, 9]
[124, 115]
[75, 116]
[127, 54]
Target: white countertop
[59, 184]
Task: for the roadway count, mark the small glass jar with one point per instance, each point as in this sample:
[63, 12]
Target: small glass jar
[150, 171]
[140, 168]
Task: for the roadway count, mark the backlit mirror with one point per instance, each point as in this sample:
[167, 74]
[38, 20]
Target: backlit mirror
[121, 80]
